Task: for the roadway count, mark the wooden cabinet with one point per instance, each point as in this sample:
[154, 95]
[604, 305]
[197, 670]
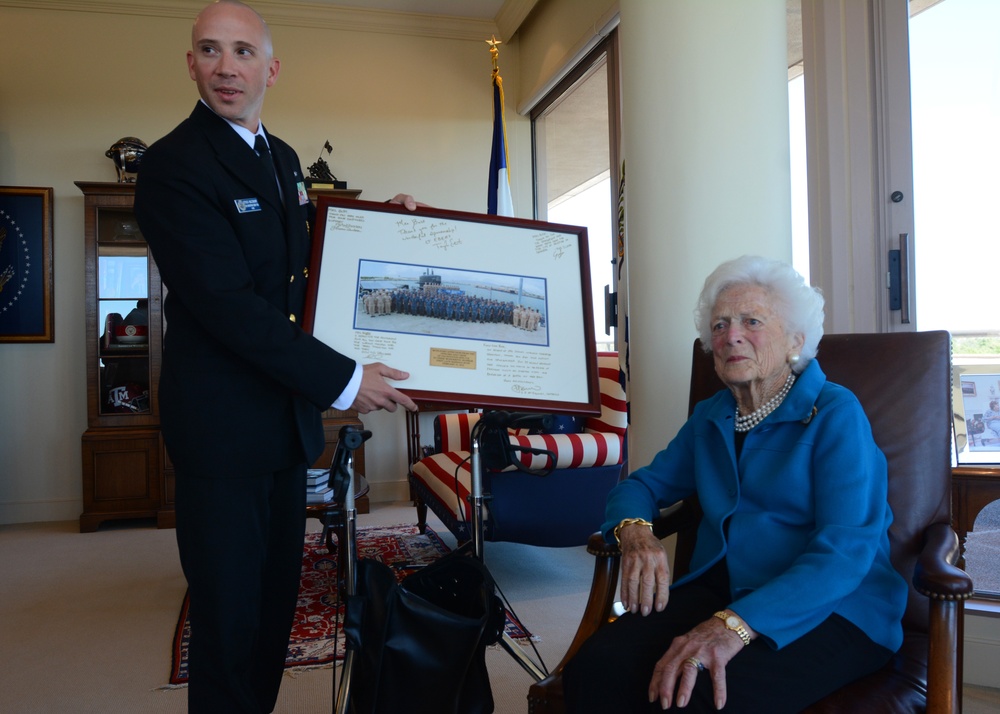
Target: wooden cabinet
[123, 477]
[973, 488]
[123, 459]
[126, 470]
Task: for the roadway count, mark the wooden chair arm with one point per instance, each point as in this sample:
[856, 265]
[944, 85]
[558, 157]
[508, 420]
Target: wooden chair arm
[946, 586]
[936, 576]
[600, 548]
[546, 696]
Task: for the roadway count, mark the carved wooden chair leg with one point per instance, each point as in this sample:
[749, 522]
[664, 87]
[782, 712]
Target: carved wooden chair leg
[546, 696]
[421, 514]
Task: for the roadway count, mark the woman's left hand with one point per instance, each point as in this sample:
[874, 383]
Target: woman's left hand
[709, 643]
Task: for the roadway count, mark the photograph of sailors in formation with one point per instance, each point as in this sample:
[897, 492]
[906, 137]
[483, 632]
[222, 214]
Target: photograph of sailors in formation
[463, 304]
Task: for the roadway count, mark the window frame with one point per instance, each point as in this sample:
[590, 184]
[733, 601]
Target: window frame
[608, 51]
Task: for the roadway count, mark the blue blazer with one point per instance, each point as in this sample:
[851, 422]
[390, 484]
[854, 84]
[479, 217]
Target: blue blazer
[807, 509]
[242, 385]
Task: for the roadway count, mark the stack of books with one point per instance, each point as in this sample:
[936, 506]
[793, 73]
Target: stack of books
[318, 486]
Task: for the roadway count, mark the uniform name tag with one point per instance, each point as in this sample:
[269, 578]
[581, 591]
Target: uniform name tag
[247, 205]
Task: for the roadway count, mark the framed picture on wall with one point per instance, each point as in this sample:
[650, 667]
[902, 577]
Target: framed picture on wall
[26, 264]
[480, 310]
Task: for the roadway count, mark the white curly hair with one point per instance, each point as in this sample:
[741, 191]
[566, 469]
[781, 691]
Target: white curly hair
[800, 305]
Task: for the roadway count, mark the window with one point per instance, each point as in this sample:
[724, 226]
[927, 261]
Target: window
[955, 95]
[955, 108]
[900, 97]
[575, 142]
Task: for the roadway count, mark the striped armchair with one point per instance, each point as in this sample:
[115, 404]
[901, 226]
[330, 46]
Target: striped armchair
[560, 509]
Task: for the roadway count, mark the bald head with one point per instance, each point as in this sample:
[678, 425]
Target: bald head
[232, 60]
[234, 7]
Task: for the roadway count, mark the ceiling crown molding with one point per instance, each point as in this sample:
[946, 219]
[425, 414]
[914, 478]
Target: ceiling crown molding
[290, 13]
[511, 16]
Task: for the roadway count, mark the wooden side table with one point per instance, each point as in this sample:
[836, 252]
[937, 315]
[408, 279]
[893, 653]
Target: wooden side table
[973, 488]
[333, 517]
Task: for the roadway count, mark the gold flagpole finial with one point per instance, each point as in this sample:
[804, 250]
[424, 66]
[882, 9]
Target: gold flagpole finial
[494, 52]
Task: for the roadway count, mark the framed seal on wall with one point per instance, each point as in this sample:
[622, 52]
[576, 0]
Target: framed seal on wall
[26, 264]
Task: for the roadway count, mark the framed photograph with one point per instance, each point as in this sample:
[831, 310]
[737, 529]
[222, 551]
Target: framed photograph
[481, 310]
[26, 264]
[976, 400]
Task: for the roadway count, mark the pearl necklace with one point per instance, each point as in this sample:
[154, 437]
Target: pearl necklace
[748, 422]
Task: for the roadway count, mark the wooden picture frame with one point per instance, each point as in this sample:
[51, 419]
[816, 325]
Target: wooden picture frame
[481, 310]
[26, 313]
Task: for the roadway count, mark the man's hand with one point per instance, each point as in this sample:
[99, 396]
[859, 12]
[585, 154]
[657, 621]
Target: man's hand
[645, 572]
[405, 199]
[376, 393]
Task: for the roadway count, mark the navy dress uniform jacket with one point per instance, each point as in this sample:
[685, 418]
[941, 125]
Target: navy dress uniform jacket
[242, 385]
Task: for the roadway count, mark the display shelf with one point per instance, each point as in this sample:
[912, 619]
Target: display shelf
[127, 472]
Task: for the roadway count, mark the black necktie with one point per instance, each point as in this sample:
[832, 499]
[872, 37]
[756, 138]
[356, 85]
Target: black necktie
[260, 146]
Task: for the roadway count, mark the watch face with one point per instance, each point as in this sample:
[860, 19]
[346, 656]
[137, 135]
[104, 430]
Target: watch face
[732, 623]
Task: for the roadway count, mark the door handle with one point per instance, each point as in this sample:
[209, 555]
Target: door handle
[900, 278]
[905, 275]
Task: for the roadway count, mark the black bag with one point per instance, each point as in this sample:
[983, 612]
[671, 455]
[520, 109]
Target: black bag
[420, 645]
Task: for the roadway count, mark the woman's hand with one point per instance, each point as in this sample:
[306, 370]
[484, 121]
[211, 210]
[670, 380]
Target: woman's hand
[709, 643]
[645, 570]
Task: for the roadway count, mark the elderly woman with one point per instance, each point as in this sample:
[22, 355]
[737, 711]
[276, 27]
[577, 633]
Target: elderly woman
[791, 593]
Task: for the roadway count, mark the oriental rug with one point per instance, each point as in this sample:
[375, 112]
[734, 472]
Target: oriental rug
[316, 640]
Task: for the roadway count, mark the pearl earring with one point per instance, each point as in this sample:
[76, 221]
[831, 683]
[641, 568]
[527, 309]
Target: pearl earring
[793, 359]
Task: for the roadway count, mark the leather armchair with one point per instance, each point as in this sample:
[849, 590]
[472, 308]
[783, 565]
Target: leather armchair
[903, 381]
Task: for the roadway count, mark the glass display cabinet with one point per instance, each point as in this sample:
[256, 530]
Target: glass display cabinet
[127, 473]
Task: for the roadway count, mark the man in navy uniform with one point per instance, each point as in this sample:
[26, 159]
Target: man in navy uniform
[223, 206]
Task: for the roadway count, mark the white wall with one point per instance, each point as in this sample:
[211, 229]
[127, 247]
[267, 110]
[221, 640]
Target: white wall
[707, 151]
[982, 644]
[408, 109]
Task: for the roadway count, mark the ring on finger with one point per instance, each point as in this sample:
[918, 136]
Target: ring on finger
[696, 663]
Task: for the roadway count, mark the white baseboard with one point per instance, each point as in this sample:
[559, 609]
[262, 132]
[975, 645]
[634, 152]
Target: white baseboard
[389, 491]
[981, 660]
[40, 511]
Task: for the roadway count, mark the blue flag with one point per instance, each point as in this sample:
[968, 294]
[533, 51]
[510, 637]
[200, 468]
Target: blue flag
[499, 202]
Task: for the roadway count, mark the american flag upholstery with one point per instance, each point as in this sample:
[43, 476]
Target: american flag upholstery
[446, 476]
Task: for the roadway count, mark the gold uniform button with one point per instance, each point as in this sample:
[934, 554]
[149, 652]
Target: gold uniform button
[305, 272]
[291, 279]
[291, 317]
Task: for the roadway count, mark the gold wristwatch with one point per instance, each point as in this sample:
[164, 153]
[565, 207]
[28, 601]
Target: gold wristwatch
[735, 624]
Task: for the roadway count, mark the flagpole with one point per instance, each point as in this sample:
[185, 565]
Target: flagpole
[499, 201]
